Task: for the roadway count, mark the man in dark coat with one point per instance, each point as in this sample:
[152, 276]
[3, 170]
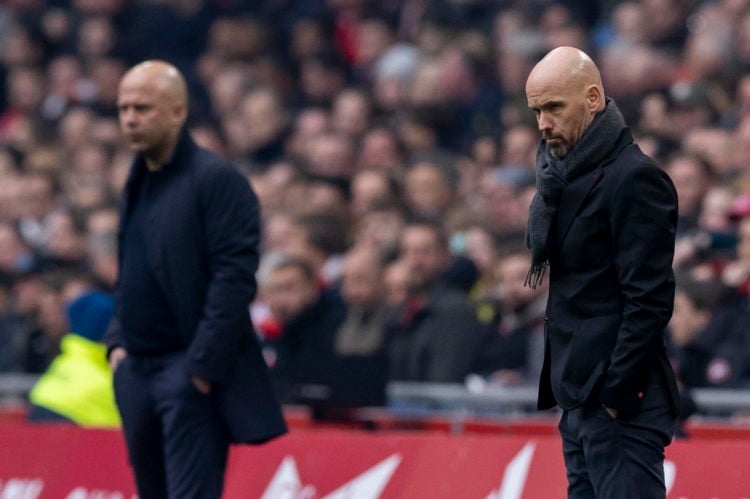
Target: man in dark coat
[603, 221]
[435, 333]
[189, 377]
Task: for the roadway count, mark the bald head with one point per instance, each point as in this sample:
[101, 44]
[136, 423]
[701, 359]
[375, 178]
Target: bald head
[152, 103]
[162, 76]
[565, 92]
[565, 66]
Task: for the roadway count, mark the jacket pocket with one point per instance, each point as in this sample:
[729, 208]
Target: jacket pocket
[591, 347]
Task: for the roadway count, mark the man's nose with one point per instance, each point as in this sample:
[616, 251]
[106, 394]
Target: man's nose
[544, 123]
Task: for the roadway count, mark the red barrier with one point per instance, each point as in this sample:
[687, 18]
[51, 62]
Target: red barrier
[69, 463]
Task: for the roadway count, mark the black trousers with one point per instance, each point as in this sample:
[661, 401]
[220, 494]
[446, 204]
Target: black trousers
[608, 458]
[177, 445]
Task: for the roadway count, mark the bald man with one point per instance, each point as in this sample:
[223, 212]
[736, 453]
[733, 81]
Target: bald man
[603, 222]
[189, 377]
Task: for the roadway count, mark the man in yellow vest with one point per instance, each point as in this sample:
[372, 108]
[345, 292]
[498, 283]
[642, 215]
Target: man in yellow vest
[77, 386]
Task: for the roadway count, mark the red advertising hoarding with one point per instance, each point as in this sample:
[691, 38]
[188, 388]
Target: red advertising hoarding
[69, 463]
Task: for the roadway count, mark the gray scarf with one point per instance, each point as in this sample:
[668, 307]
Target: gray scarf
[554, 174]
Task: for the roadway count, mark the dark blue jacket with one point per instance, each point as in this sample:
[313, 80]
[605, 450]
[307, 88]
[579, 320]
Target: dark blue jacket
[202, 242]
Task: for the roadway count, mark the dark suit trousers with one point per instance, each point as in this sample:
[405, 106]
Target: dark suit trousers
[608, 458]
[178, 447]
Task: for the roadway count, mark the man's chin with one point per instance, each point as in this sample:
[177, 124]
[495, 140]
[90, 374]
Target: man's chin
[558, 151]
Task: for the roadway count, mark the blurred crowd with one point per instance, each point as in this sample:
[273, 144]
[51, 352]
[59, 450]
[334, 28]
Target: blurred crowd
[392, 151]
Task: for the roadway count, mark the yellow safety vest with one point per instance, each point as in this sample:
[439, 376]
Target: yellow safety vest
[78, 384]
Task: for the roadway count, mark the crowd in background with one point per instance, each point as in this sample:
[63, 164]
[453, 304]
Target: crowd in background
[393, 153]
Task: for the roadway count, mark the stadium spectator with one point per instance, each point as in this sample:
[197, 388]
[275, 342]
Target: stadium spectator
[77, 387]
[435, 333]
[512, 347]
[306, 368]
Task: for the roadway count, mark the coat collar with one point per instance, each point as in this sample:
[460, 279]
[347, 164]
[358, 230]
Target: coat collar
[576, 192]
[138, 169]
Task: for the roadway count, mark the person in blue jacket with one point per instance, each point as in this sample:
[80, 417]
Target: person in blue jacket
[189, 377]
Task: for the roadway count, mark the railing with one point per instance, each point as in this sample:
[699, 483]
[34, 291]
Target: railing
[15, 387]
[502, 400]
[487, 399]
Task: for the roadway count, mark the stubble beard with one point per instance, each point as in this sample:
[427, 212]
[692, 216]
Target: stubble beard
[560, 151]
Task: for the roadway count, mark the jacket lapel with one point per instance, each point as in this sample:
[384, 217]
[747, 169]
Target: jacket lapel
[574, 195]
[571, 201]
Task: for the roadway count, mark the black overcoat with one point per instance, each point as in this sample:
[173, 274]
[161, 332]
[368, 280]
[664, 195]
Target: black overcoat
[202, 242]
[611, 285]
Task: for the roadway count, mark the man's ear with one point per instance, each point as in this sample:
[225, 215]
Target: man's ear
[180, 114]
[594, 98]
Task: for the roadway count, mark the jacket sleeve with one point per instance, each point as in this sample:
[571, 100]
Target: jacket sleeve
[113, 337]
[231, 228]
[643, 218]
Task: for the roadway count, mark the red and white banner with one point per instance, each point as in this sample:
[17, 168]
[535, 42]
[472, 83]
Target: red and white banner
[69, 463]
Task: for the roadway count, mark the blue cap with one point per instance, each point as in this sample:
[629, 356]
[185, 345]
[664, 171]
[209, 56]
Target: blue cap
[89, 315]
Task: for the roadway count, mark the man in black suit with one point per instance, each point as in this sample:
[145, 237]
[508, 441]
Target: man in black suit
[189, 377]
[603, 222]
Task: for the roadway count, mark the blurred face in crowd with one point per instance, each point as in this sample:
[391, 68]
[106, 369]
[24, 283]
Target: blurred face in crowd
[263, 116]
[106, 75]
[152, 104]
[374, 38]
[320, 83]
[65, 242]
[271, 185]
[690, 180]
[424, 254]
[75, 127]
[427, 86]
[25, 87]
[379, 149]
[714, 215]
[687, 320]
[332, 155]
[362, 279]
[307, 38]
[288, 292]
[96, 36]
[500, 202]
[38, 195]
[351, 113]
[511, 274]
[519, 146]
[396, 281]
[381, 229]
[715, 145]
[427, 189]
[627, 19]
[323, 197]
[277, 228]
[227, 86]
[369, 187]
[308, 124]
[565, 92]
[480, 247]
